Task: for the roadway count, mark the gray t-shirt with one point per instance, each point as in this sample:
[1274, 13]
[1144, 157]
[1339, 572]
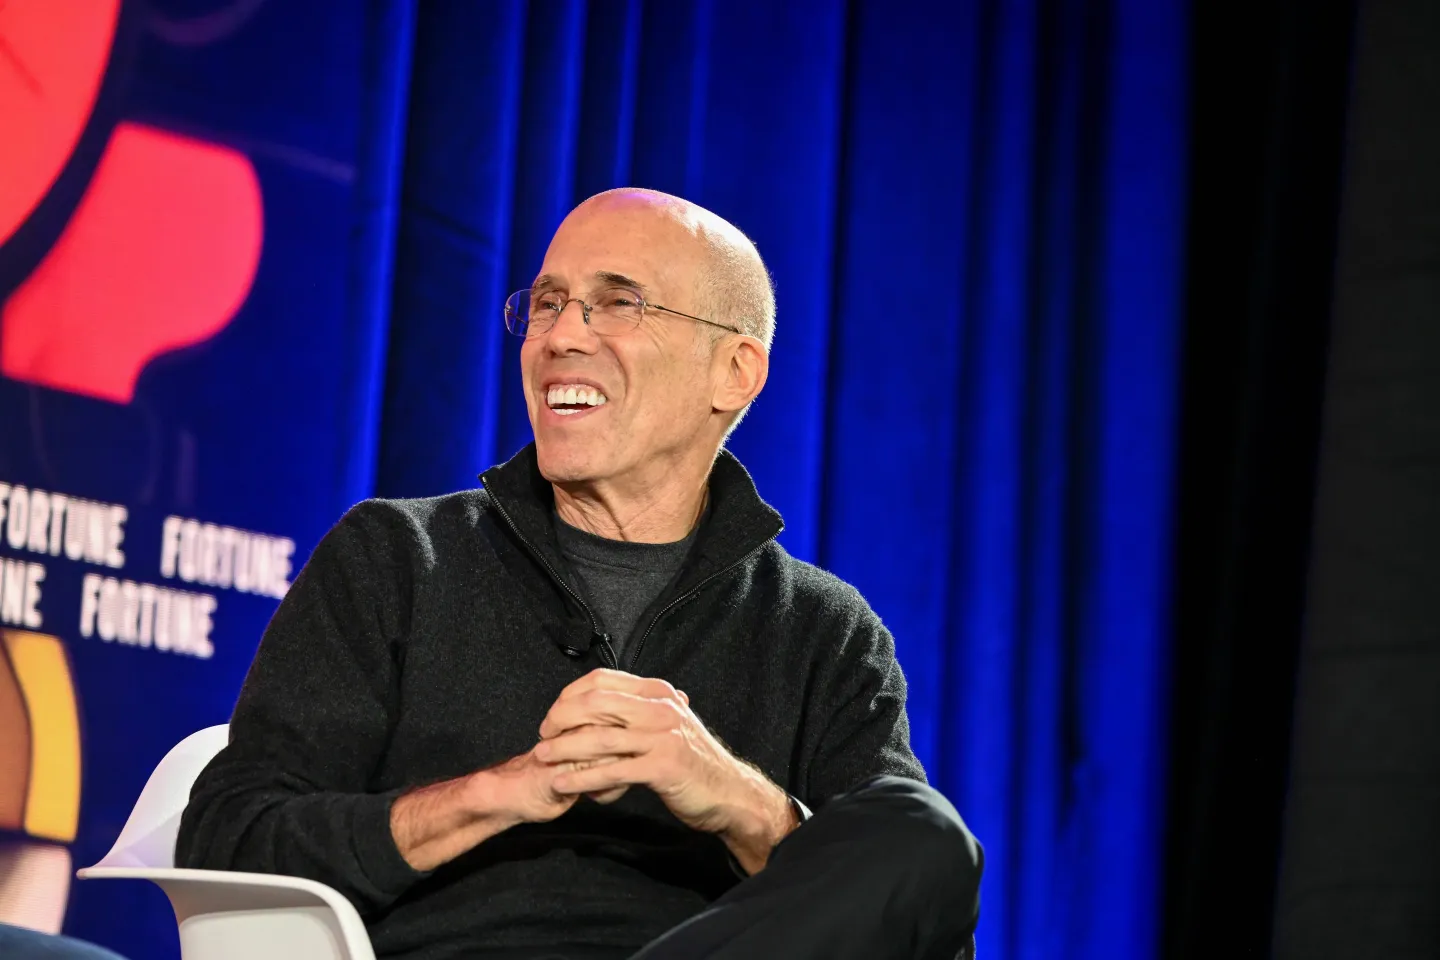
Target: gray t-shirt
[618, 577]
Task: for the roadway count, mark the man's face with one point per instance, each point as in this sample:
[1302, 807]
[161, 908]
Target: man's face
[655, 379]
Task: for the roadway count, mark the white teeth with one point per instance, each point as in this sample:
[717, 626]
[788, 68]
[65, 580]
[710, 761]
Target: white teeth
[572, 395]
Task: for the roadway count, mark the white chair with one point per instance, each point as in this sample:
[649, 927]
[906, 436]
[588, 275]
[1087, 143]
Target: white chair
[226, 915]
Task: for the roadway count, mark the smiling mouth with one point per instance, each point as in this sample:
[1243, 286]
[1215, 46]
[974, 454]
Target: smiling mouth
[567, 399]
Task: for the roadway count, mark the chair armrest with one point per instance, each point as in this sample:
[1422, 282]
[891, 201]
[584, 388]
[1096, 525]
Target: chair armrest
[226, 914]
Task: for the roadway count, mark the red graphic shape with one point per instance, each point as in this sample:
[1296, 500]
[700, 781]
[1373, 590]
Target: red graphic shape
[160, 254]
[53, 55]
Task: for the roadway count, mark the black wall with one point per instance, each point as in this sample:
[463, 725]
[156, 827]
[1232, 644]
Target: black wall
[1361, 858]
[1269, 94]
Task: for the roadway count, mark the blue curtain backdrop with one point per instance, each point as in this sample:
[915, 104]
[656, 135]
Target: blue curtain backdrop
[973, 215]
[973, 212]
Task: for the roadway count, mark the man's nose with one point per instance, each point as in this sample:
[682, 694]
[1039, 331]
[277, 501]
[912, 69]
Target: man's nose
[570, 331]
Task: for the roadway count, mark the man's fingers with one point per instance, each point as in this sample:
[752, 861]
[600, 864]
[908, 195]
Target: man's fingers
[576, 765]
[603, 678]
[608, 796]
[651, 688]
[605, 707]
[597, 676]
[591, 742]
[601, 778]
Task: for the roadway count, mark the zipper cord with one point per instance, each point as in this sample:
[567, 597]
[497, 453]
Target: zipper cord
[684, 598]
[607, 652]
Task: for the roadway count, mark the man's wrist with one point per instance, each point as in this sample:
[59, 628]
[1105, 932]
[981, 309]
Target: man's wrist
[487, 798]
[759, 825]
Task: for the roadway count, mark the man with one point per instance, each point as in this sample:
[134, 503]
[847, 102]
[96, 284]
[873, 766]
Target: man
[584, 711]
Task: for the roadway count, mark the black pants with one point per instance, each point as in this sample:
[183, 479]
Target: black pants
[888, 870]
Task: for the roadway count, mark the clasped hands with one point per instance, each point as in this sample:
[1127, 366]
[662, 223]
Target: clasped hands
[610, 731]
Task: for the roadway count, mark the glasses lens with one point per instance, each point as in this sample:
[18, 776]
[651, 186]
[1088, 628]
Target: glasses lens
[517, 312]
[616, 311]
[529, 314]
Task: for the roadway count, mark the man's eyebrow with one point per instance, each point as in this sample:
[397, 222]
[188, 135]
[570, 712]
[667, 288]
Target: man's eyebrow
[618, 280]
[548, 281]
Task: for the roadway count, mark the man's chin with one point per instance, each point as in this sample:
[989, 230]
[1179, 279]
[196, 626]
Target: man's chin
[566, 465]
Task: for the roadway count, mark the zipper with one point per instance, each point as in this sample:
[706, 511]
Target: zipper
[685, 597]
[607, 652]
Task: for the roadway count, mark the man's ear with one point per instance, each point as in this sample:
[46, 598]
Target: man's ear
[745, 367]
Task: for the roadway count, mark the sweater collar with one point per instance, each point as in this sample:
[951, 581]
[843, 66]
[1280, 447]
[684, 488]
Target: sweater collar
[738, 521]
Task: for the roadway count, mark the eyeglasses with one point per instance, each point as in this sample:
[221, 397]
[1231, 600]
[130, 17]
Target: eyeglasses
[610, 312]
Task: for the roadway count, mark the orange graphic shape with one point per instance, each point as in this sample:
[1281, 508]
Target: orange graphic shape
[159, 255]
[14, 748]
[52, 782]
[52, 58]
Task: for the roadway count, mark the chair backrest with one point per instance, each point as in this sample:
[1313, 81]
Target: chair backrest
[148, 838]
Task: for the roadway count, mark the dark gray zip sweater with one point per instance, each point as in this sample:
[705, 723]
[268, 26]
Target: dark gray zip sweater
[426, 639]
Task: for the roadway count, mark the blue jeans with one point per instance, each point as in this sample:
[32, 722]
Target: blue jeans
[18, 943]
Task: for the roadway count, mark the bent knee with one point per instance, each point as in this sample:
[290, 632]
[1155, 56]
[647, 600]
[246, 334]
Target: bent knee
[916, 825]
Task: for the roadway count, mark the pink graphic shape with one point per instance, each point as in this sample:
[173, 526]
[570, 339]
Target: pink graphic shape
[53, 55]
[160, 254]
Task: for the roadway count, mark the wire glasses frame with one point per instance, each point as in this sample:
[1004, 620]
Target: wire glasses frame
[611, 312]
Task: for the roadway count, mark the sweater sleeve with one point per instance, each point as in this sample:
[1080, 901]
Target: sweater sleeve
[291, 794]
[858, 710]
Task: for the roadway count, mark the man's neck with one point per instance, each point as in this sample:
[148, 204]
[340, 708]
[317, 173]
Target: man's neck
[662, 512]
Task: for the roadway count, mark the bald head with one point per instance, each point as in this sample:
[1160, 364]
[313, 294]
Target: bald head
[732, 285]
[645, 403]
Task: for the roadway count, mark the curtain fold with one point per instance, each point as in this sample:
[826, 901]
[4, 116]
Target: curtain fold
[384, 92]
[443, 386]
[973, 214]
